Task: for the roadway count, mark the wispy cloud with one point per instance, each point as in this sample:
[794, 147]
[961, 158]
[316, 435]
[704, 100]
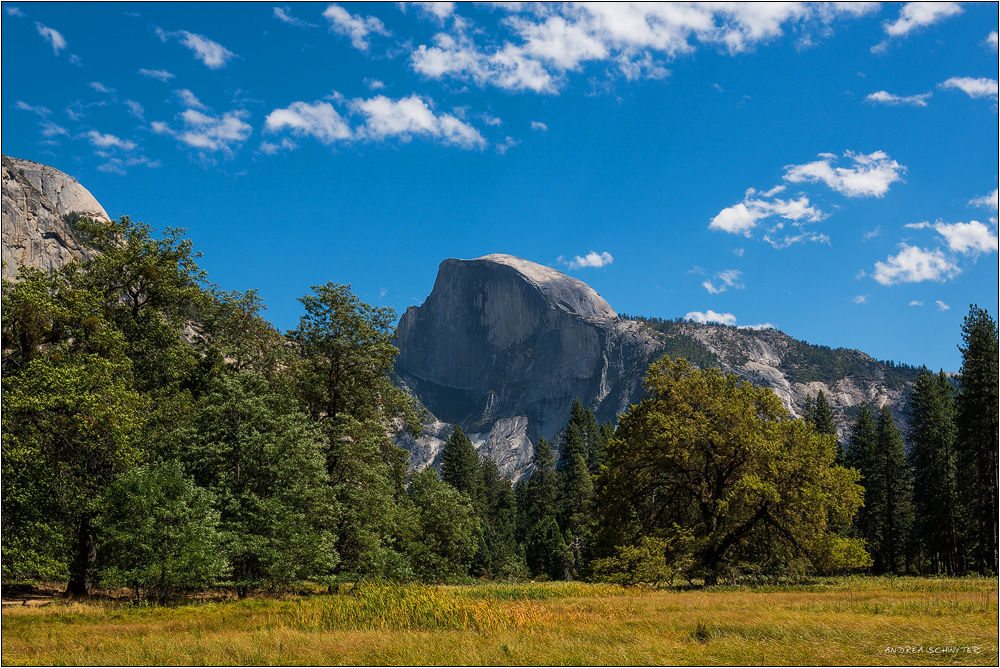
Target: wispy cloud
[916, 302]
[981, 87]
[987, 201]
[860, 299]
[942, 306]
[284, 15]
[39, 110]
[211, 53]
[743, 217]
[724, 280]
[889, 99]
[991, 40]
[356, 28]
[13, 11]
[160, 75]
[135, 109]
[538, 125]
[101, 88]
[52, 36]
[914, 16]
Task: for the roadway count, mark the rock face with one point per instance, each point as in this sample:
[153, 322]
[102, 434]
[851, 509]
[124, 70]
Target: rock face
[37, 203]
[502, 346]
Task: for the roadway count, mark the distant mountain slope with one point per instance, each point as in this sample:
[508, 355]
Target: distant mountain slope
[502, 346]
[39, 206]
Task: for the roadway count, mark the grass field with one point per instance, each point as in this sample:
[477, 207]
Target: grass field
[836, 621]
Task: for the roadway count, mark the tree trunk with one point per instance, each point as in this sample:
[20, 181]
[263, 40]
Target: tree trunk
[81, 570]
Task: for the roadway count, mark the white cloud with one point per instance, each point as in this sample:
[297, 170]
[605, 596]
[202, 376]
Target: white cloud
[13, 11]
[981, 87]
[915, 15]
[50, 129]
[987, 201]
[440, 10]
[916, 302]
[742, 218]
[411, 116]
[591, 259]
[189, 99]
[208, 132]
[41, 111]
[135, 109]
[211, 53]
[871, 234]
[860, 299]
[913, 265]
[730, 278]
[160, 75]
[374, 84]
[546, 42]
[942, 306]
[971, 237]
[711, 316]
[318, 120]
[871, 175]
[538, 125]
[356, 28]
[380, 117]
[51, 36]
[792, 239]
[886, 98]
[991, 40]
[272, 149]
[101, 88]
[283, 15]
[99, 140]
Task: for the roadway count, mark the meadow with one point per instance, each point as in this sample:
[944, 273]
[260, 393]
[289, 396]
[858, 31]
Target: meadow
[852, 621]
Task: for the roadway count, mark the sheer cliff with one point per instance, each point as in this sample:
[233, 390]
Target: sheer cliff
[502, 346]
[39, 204]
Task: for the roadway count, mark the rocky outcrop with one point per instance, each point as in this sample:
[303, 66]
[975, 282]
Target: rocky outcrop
[502, 346]
[38, 205]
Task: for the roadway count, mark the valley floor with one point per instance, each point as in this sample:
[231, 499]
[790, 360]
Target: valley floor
[843, 621]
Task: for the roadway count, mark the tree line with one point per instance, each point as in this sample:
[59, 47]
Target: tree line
[159, 435]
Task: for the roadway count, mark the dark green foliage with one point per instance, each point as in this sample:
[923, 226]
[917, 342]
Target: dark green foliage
[934, 461]
[460, 466]
[541, 498]
[159, 533]
[445, 533]
[264, 460]
[877, 451]
[823, 417]
[499, 555]
[978, 427]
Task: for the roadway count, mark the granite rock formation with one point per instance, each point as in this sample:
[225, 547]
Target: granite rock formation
[502, 346]
[39, 204]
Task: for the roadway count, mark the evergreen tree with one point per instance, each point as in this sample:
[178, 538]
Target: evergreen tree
[823, 416]
[541, 499]
[933, 458]
[862, 447]
[893, 497]
[499, 555]
[460, 466]
[978, 427]
[574, 437]
[809, 410]
[442, 538]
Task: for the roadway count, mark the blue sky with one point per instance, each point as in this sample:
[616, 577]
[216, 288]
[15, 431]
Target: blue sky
[830, 170]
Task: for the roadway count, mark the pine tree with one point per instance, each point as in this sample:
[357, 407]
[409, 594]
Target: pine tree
[978, 427]
[460, 466]
[895, 497]
[861, 454]
[809, 410]
[823, 416]
[931, 437]
[574, 437]
[541, 498]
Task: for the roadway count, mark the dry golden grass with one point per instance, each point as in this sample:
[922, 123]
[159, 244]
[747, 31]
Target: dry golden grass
[843, 621]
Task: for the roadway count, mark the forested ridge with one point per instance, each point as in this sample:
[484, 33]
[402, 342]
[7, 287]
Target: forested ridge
[159, 435]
